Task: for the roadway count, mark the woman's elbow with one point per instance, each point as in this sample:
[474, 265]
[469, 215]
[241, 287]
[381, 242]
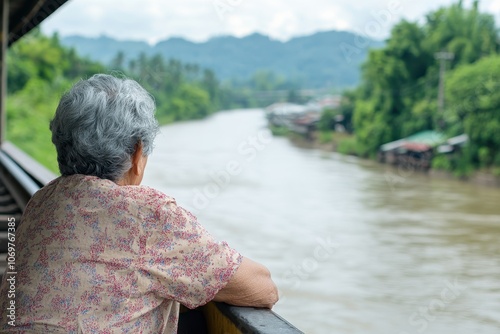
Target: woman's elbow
[273, 295]
[251, 285]
[268, 292]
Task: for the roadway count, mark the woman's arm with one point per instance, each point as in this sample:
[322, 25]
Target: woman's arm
[251, 285]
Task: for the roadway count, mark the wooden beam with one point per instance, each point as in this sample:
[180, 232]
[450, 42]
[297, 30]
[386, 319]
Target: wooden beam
[28, 14]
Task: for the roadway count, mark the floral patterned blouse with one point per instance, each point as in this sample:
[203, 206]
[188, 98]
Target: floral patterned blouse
[95, 257]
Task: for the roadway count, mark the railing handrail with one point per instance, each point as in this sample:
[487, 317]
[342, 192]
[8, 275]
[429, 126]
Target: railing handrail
[17, 172]
[39, 173]
[257, 320]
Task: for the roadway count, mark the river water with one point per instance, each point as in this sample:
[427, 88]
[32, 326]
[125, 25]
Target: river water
[355, 247]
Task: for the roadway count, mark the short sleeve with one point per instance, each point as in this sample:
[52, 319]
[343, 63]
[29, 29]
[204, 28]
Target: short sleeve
[181, 261]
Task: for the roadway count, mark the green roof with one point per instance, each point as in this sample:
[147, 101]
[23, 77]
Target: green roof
[428, 137]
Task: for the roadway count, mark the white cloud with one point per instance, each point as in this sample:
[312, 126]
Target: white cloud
[154, 20]
[285, 23]
[238, 26]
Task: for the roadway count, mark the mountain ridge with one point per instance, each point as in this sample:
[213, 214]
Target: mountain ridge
[316, 61]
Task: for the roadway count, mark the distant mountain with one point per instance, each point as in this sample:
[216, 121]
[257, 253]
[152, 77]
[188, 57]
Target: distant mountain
[325, 59]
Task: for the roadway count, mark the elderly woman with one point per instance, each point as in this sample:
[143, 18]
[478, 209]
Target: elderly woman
[97, 252]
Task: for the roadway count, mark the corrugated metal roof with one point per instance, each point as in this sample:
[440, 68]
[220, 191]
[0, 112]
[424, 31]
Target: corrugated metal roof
[458, 140]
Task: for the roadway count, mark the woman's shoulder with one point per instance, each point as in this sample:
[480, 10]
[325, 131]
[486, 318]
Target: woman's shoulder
[85, 187]
[148, 193]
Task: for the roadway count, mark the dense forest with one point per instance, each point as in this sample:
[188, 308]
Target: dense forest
[40, 70]
[399, 89]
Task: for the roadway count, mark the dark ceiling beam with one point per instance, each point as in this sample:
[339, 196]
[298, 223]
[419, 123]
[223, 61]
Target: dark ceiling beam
[25, 15]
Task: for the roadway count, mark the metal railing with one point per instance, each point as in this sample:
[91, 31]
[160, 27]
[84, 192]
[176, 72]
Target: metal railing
[21, 174]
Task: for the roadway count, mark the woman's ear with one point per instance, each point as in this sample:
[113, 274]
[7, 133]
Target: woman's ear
[134, 175]
[137, 166]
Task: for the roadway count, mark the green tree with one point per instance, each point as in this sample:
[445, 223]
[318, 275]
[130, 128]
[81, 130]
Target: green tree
[39, 71]
[467, 33]
[473, 93]
[398, 93]
[118, 61]
[345, 109]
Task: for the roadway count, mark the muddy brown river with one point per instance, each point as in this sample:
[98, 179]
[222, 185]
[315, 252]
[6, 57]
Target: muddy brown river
[355, 247]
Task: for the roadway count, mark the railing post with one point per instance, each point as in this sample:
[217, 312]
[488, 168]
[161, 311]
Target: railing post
[4, 41]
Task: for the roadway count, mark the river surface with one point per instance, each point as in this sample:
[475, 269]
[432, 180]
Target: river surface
[354, 246]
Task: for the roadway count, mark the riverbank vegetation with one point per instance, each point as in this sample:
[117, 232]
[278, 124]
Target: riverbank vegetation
[398, 95]
[40, 70]
[182, 91]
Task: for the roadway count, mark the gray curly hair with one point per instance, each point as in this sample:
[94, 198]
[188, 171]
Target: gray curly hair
[98, 125]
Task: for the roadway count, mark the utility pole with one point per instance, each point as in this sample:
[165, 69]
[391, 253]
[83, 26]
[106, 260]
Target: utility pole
[443, 57]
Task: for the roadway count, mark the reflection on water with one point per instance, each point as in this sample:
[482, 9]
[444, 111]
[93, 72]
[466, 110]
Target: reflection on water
[351, 250]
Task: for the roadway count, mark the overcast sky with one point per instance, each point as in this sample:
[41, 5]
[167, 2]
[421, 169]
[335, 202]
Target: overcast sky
[198, 20]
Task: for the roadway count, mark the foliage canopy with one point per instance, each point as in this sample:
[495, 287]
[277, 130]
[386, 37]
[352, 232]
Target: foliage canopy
[399, 89]
[40, 69]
